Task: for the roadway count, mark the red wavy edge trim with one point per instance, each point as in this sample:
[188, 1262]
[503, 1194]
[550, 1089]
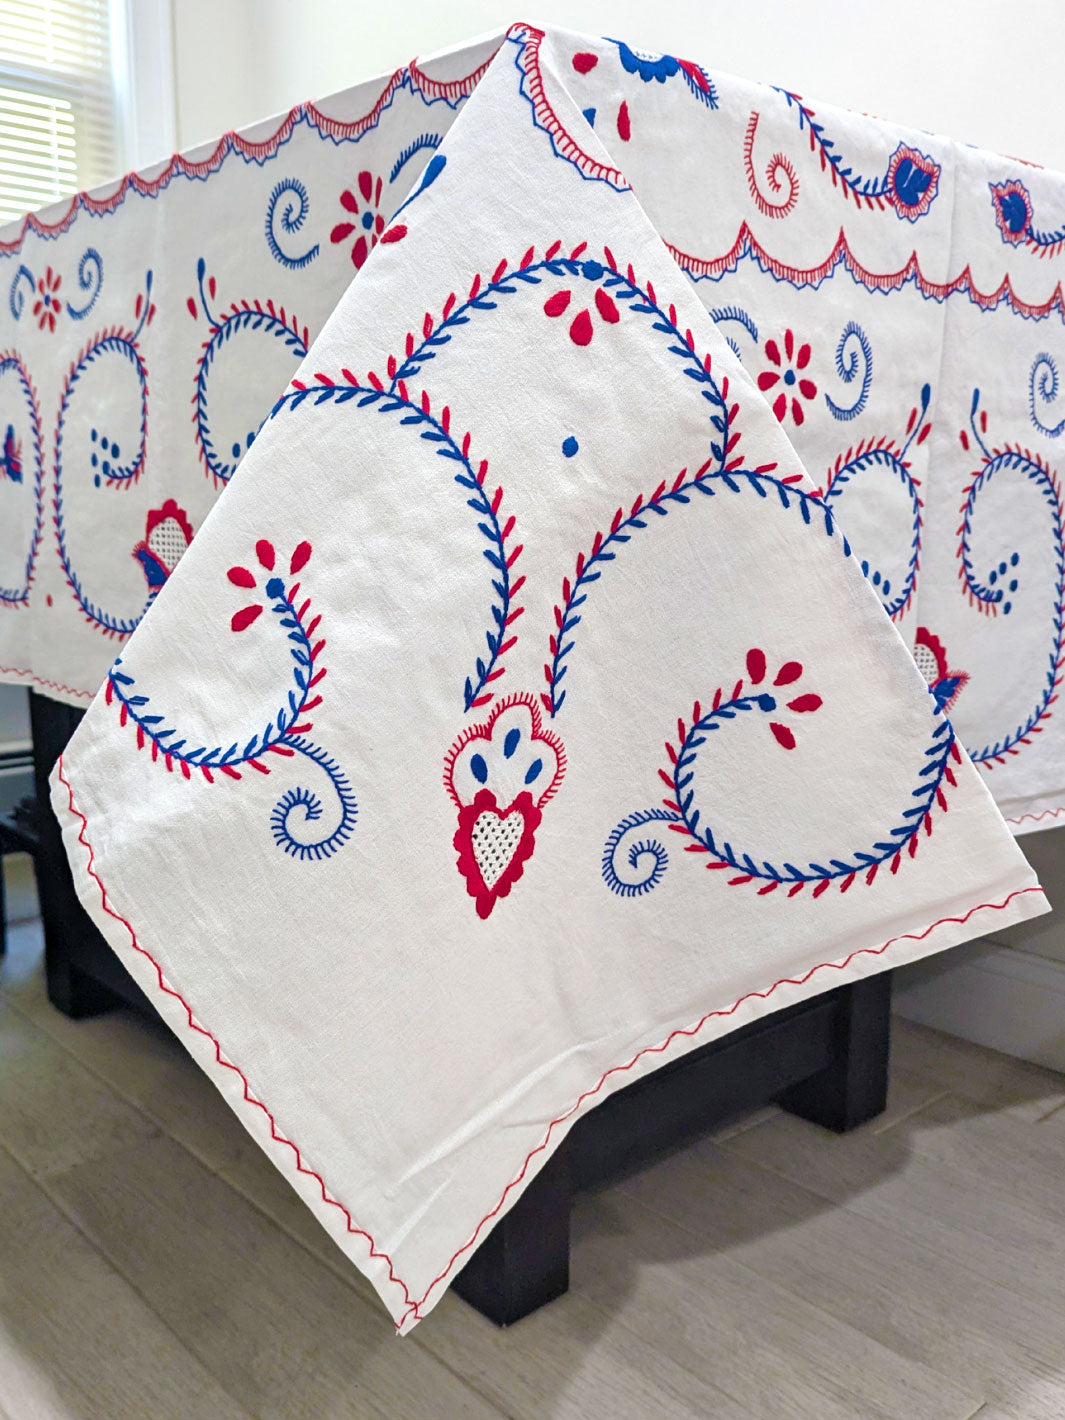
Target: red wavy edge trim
[414, 1307]
[1047, 813]
[265, 148]
[52, 685]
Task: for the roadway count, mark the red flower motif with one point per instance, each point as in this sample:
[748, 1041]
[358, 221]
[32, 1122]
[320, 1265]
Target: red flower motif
[47, 305]
[581, 328]
[788, 674]
[787, 372]
[370, 225]
[274, 587]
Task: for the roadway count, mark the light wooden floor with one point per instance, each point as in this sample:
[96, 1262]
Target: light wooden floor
[153, 1265]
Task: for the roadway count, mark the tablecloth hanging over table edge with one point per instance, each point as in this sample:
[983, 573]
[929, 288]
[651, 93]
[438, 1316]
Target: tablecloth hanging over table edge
[1017, 897]
[913, 191]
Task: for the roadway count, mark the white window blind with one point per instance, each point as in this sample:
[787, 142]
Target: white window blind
[57, 101]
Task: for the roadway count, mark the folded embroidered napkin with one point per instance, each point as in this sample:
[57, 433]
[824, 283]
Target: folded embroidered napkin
[522, 717]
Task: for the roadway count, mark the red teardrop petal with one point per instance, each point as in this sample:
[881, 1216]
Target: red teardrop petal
[366, 184]
[782, 734]
[299, 558]
[606, 307]
[240, 577]
[264, 551]
[395, 234]
[580, 332]
[359, 252]
[624, 126]
[349, 201]
[341, 232]
[789, 671]
[243, 619]
[756, 666]
[805, 703]
[556, 304]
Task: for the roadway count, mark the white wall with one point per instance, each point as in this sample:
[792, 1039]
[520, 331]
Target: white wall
[985, 71]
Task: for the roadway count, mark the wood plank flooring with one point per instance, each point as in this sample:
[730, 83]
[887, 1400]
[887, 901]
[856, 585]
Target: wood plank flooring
[154, 1265]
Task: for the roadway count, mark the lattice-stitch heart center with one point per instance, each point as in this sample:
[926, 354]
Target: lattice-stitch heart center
[495, 841]
[168, 541]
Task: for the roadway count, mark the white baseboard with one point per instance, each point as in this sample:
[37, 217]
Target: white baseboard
[996, 996]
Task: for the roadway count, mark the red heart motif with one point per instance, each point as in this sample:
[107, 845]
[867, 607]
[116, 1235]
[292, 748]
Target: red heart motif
[583, 62]
[494, 845]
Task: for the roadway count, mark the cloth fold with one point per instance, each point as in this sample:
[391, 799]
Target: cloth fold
[522, 717]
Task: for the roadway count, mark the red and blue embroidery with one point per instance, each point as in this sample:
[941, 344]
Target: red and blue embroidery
[499, 775]
[931, 657]
[299, 809]
[113, 356]
[896, 585]
[634, 860]
[21, 451]
[220, 452]
[993, 591]
[1015, 217]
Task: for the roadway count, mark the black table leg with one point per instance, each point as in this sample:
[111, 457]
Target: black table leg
[83, 974]
[524, 1260]
[825, 1059]
[853, 1088]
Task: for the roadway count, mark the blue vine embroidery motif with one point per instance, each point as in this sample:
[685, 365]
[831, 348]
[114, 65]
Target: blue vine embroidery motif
[20, 424]
[992, 592]
[298, 809]
[245, 319]
[909, 185]
[635, 860]
[1043, 388]
[854, 361]
[113, 348]
[283, 220]
[884, 453]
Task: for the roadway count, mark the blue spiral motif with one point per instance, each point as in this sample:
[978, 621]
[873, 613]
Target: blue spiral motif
[992, 593]
[297, 808]
[122, 345]
[253, 318]
[1043, 381]
[424, 140]
[299, 799]
[291, 217]
[854, 359]
[722, 315]
[645, 857]
[90, 279]
[18, 295]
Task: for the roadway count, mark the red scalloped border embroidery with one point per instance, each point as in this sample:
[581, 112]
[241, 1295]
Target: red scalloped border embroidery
[266, 148]
[414, 1306]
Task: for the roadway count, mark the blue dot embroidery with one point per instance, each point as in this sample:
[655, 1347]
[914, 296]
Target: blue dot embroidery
[570, 446]
[533, 771]
[510, 744]
[478, 768]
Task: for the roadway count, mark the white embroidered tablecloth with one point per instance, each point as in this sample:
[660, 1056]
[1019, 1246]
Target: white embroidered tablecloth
[523, 716]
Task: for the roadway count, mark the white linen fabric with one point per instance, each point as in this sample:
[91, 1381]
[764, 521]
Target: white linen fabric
[521, 718]
[896, 296]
